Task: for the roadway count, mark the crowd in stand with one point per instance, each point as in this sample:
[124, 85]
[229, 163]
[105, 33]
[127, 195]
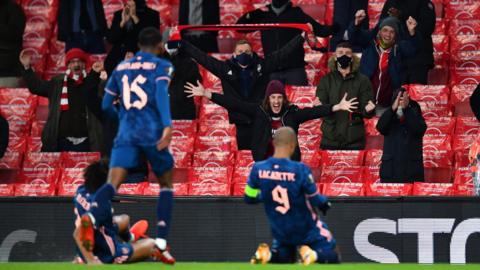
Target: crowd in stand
[395, 52]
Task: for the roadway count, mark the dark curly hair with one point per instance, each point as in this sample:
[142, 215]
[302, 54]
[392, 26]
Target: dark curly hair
[95, 175]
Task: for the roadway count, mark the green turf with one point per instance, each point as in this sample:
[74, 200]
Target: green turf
[232, 266]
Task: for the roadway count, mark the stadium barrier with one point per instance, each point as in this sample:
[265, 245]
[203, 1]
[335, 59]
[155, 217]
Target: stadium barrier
[388, 229]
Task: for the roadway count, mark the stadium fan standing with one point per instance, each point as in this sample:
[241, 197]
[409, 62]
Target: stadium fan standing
[244, 77]
[274, 112]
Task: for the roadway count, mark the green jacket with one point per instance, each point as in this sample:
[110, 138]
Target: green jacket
[343, 130]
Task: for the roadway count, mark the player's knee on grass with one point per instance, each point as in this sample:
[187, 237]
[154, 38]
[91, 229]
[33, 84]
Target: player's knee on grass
[122, 221]
[142, 249]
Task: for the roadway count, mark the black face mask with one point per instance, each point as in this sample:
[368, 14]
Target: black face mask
[244, 59]
[344, 61]
[279, 3]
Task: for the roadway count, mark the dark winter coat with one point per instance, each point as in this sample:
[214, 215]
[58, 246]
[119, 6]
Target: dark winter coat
[65, 15]
[229, 74]
[126, 40]
[262, 129]
[402, 159]
[4, 135]
[273, 40]
[423, 11]
[52, 90]
[369, 62]
[475, 102]
[12, 26]
[344, 130]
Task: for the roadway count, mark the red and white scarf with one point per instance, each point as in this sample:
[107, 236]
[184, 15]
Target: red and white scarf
[78, 79]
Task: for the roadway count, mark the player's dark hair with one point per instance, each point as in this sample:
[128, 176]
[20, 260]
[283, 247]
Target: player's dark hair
[345, 44]
[149, 37]
[95, 175]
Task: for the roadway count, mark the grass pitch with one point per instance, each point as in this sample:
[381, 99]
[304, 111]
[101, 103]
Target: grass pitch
[233, 266]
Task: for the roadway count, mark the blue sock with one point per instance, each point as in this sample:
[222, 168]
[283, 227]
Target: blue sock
[103, 209]
[164, 212]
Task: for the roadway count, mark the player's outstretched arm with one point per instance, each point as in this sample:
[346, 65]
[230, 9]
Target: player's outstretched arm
[88, 255]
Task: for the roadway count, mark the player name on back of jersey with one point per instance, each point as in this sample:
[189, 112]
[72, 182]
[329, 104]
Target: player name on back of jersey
[277, 176]
[137, 65]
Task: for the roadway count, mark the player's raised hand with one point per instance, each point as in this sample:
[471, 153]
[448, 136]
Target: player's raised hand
[346, 105]
[125, 15]
[360, 15]
[164, 142]
[197, 90]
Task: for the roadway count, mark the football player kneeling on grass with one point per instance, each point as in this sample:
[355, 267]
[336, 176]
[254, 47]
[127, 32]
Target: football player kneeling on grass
[290, 195]
[104, 246]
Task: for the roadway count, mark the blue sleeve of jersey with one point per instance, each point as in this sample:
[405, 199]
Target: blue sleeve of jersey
[112, 87]
[163, 101]
[111, 93]
[311, 189]
[252, 189]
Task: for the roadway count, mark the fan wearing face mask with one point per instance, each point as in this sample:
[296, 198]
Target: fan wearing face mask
[345, 130]
[291, 72]
[384, 51]
[244, 77]
[126, 26]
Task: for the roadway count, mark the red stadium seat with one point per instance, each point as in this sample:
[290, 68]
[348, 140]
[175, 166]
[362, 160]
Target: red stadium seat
[7, 190]
[17, 144]
[371, 174]
[35, 190]
[461, 10]
[437, 158]
[438, 76]
[182, 144]
[216, 128]
[464, 27]
[210, 111]
[463, 176]
[373, 157]
[153, 189]
[37, 128]
[343, 189]
[215, 144]
[244, 158]
[34, 144]
[209, 188]
[70, 180]
[461, 159]
[464, 43]
[432, 189]
[303, 96]
[78, 159]
[310, 128]
[17, 96]
[440, 43]
[440, 27]
[309, 143]
[467, 126]
[240, 174]
[39, 176]
[463, 190]
[132, 189]
[438, 175]
[316, 60]
[374, 142]
[182, 160]
[439, 142]
[184, 128]
[435, 109]
[41, 160]
[429, 93]
[213, 159]
[465, 60]
[341, 174]
[342, 158]
[238, 189]
[371, 126]
[440, 125]
[11, 161]
[463, 141]
[462, 93]
[229, 14]
[374, 11]
[316, 11]
[210, 175]
[388, 190]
